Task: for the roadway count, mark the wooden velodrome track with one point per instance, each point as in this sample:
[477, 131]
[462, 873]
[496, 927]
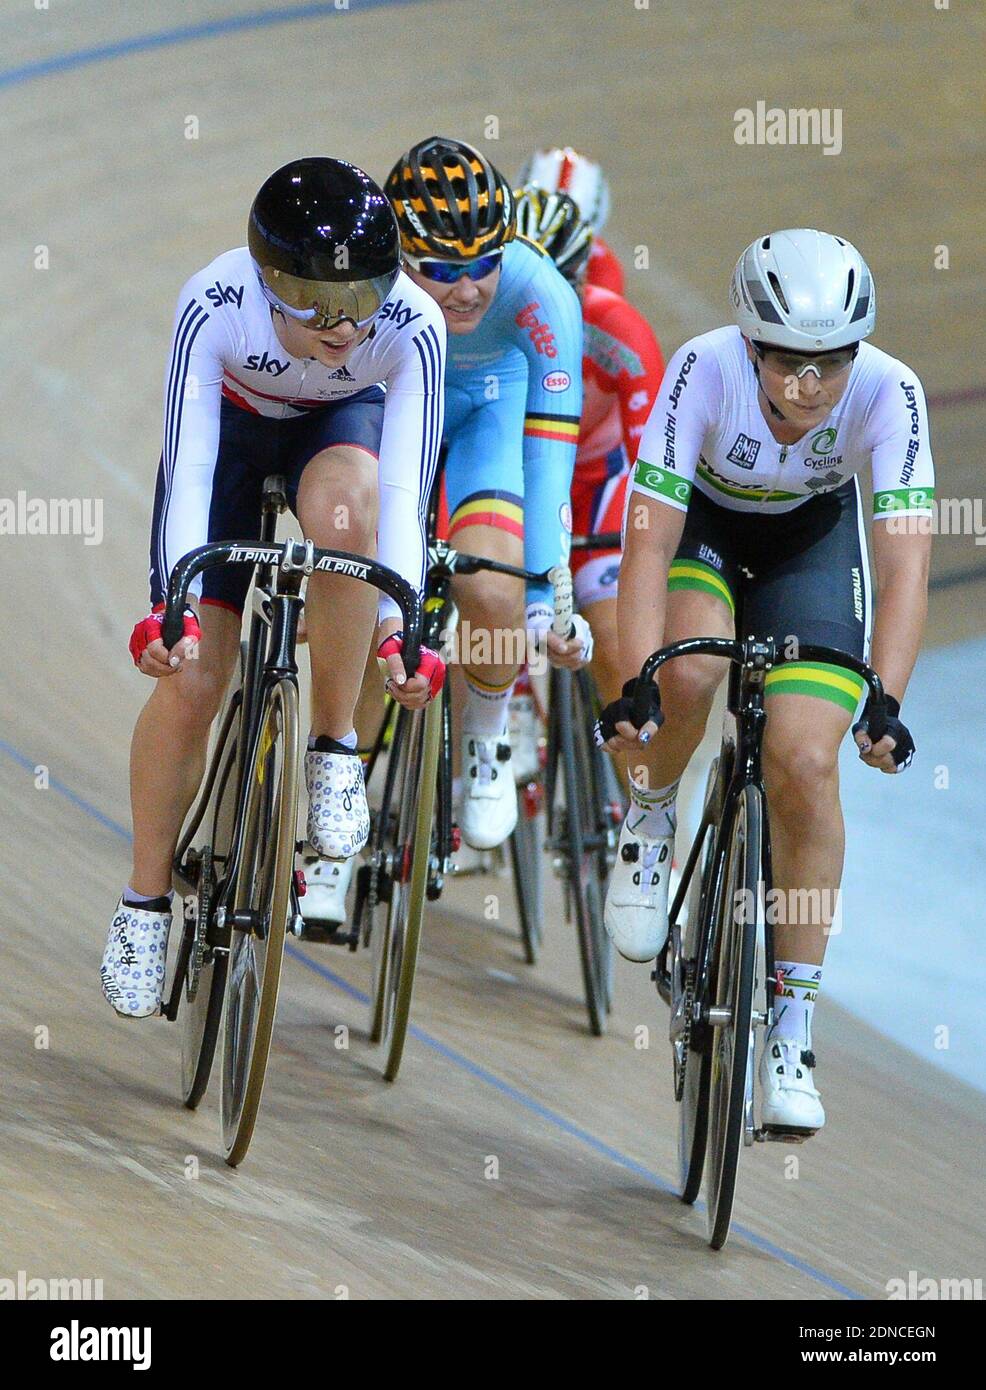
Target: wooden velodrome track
[385, 1190]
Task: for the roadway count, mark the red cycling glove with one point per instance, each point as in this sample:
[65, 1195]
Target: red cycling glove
[430, 664]
[148, 630]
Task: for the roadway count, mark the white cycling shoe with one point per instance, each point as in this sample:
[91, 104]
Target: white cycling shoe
[338, 816]
[636, 913]
[790, 1103]
[489, 793]
[327, 883]
[133, 965]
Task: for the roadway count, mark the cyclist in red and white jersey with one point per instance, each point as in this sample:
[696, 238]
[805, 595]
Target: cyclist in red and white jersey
[563, 170]
[309, 354]
[622, 367]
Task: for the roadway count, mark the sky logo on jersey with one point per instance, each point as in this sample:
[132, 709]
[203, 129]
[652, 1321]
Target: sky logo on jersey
[224, 294]
[556, 381]
[744, 451]
[399, 313]
[681, 380]
[260, 362]
[823, 441]
[540, 332]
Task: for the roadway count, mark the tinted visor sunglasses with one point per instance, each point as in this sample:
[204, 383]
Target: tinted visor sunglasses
[449, 272]
[826, 364]
[322, 304]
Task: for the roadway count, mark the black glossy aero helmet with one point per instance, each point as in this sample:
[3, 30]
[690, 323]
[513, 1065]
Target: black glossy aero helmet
[451, 203]
[324, 241]
[553, 221]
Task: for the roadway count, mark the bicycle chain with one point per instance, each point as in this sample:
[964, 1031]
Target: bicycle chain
[688, 1003]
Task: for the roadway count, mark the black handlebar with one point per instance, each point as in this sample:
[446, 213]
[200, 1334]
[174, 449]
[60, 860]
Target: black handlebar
[293, 555]
[742, 652]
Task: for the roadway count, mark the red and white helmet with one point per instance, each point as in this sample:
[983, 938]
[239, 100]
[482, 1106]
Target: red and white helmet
[564, 170]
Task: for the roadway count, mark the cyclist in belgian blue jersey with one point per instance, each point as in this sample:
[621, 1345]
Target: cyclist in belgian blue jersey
[513, 400]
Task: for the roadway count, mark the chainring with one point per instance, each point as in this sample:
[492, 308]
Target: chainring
[196, 956]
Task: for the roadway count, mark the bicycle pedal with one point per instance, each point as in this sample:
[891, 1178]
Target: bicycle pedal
[331, 932]
[775, 1135]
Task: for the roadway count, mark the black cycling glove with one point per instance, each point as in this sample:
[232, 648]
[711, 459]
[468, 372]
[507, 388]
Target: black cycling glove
[903, 752]
[621, 710]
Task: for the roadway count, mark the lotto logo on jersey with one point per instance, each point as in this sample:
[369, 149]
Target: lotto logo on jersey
[540, 332]
[744, 451]
[556, 381]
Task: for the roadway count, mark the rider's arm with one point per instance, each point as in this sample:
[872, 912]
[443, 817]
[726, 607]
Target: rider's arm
[192, 400]
[549, 324]
[903, 496]
[652, 533]
[412, 436]
[657, 500]
[641, 370]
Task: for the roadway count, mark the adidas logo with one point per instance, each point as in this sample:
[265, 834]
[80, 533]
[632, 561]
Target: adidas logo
[341, 374]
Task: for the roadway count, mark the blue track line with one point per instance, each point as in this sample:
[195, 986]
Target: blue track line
[458, 1059]
[185, 33]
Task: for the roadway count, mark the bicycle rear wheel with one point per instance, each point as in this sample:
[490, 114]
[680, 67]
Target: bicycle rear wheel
[740, 908]
[408, 890]
[203, 957]
[581, 842]
[258, 915]
[527, 862]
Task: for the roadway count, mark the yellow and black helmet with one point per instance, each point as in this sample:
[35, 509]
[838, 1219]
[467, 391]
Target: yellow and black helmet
[450, 201]
[554, 222]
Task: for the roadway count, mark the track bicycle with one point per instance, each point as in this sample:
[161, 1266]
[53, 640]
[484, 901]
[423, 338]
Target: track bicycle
[585, 806]
[716, 971]
[384, 885]
[234, 864]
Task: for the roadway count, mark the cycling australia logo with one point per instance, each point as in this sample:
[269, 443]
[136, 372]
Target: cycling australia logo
[744, 451]
[822, 443]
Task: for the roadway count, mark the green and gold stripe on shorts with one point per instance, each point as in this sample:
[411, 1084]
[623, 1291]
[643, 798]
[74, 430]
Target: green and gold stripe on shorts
[818, 678]
[696, 574]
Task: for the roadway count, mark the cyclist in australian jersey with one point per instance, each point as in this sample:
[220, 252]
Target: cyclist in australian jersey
[307, 353]
[513, 399]
[622, 367]
[746, 482]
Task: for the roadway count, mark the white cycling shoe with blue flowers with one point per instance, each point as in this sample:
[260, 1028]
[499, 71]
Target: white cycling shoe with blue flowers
[133, 967]
[338, 816]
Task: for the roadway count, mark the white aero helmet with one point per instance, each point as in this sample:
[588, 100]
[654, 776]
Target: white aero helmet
[805, 290]
[566, 171]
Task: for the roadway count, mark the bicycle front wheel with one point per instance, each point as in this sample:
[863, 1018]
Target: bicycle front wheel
[408, 891]
[740, 908]
[258, 915]
[203, 958]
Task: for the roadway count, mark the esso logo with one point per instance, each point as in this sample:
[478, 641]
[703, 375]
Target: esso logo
[556, 381]
[565, 517]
